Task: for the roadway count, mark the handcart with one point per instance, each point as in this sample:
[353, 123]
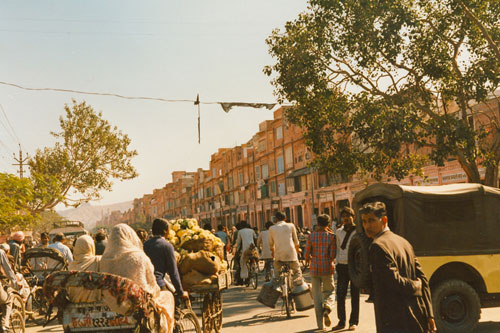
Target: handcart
[210, 299]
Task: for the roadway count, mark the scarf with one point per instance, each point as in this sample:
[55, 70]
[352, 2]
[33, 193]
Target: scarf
[84, 255]
[349, 230]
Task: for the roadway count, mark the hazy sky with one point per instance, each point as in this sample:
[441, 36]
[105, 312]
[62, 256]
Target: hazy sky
[167, 49]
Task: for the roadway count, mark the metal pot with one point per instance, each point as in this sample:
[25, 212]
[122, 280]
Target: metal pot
[302, 297]
[269, 294]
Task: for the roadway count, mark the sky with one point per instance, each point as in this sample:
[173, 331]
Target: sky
[165, 49]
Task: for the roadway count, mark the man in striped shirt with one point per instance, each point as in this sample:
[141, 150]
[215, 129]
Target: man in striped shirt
[320, 251]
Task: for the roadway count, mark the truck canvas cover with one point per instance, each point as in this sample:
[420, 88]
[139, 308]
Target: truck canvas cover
[457, 219]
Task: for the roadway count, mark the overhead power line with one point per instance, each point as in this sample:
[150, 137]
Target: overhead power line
[226, 106]
[12, 132]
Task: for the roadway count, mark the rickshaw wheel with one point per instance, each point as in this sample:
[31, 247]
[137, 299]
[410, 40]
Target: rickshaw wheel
[206, 314]
[217, 311]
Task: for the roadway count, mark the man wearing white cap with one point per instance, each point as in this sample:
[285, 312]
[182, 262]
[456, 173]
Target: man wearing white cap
[15, 248]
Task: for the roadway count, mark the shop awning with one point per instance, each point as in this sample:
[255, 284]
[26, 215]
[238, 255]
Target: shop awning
[299, 172]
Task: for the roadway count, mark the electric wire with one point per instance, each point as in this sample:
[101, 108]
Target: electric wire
[159, 99]
[12, 132]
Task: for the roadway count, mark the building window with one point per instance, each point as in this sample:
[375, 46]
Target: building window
[213, 173]
[240, 177]
[230, 182]
[288, 157]
[279, 133]
[257, 172]
[281, 188]
[280, 165]
[265, 172]
[273, 186]
[264, 192]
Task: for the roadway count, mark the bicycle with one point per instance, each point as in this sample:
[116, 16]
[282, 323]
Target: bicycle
[285, 283]
[36, 302]
[253, 270]
[16, 320]
[186, 321]
[304, 264]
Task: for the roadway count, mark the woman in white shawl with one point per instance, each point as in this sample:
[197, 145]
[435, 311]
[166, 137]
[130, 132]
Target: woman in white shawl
[84, 260]
[125, 257]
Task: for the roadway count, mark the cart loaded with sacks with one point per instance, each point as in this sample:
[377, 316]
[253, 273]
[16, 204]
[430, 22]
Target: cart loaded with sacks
[204, 272]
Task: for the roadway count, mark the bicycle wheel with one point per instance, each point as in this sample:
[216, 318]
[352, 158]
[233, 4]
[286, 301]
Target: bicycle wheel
[39, 305]
[286, 304]
[253, 276]
[232, 269]
[206, 314]
[18, 304]
[187, 322]
[16, 321]
[217, 311]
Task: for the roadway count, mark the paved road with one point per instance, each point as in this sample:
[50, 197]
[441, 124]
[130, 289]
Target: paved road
[243, 314]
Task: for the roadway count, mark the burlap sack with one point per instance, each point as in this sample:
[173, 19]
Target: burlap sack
[194, 278]
[198, 245]
[220, 251]
[203, 261]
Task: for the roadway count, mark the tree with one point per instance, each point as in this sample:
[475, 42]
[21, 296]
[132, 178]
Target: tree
[46, 220]
[89, 153]
[380, 86]
[15, 195]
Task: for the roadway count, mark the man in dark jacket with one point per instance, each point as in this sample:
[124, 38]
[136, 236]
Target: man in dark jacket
[401, 291]
[162, 255]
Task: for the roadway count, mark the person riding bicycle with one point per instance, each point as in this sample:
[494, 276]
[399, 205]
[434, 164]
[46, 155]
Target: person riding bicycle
[5, 299]
[162, 255]
[284, 246]
[245, 243]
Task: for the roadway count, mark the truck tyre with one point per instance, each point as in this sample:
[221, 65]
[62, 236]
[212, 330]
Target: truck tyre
[359, 269]
[457, 307]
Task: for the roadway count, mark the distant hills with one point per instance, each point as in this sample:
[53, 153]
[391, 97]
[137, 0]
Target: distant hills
[89, 214]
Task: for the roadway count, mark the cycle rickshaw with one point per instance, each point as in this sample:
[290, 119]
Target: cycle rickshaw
[102, 291]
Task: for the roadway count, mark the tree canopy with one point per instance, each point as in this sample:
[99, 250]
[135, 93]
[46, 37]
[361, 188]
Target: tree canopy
[15, 196]
[88, 154]
[382, 86]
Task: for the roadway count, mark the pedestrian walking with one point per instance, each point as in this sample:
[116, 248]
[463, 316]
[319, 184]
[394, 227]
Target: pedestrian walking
[401, 292]
[344, 236]
[320, 251]
[222, 235]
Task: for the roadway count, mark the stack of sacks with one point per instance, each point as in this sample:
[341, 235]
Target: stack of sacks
[201, 253]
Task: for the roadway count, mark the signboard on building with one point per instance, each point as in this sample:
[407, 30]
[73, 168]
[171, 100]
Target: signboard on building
[457, 177]
[341, 195]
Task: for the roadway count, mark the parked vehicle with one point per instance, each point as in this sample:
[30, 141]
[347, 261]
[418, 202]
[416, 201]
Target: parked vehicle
[71, 230]
[454, 231]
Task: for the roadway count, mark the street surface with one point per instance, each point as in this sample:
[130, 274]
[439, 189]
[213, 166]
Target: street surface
[243, 314]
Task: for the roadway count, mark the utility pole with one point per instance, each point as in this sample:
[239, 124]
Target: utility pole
[20, 161]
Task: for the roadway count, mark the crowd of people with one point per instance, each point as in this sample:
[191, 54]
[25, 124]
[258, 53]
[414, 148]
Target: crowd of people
[399, 289]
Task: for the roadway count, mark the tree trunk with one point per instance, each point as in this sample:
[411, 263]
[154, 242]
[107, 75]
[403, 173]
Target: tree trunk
[470, 168]
[491, 177]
